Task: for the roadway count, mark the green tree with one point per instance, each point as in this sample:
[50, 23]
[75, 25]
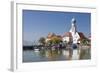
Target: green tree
[84, 42]
[55, 40]
[42, 40]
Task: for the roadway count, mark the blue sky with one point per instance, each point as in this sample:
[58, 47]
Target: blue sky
[38, 24]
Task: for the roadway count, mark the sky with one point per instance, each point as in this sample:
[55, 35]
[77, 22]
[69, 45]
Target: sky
[38, 24]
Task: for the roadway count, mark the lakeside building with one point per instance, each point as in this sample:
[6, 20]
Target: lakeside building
[72, 36]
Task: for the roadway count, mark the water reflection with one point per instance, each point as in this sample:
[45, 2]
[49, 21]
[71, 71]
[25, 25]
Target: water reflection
[55, 54]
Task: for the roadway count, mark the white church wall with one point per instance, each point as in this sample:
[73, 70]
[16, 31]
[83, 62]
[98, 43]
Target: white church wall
[67, 39]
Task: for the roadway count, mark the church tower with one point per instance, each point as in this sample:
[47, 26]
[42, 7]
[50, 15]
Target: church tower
[73, 31]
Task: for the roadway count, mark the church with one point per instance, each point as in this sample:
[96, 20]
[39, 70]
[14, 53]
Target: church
[73, 35]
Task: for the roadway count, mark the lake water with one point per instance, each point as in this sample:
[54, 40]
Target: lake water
[55, 55]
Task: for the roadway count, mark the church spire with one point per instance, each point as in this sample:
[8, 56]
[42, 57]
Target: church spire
[73, 20]
[73, 26]
[73, 31]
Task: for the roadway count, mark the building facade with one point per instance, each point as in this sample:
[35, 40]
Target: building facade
[73, 35]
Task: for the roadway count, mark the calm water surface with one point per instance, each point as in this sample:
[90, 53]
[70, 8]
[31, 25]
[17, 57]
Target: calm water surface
[55, 55]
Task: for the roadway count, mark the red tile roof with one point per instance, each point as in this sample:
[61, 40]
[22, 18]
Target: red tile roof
[68, 34]
[81, 35]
